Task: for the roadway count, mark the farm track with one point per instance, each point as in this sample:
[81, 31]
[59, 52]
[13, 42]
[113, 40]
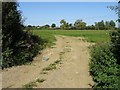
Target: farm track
[71, 72]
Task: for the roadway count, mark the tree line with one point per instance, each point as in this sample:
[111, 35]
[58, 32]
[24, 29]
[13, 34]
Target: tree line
[77, 25]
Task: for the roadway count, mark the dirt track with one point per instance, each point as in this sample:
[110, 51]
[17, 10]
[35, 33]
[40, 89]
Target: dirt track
[73, 72]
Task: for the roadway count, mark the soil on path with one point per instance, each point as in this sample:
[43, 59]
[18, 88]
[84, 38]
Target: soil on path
[71, 72]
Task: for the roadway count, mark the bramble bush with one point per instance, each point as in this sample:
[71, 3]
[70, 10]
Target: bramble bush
[105, 63]
[115, 41]
[23, 52]
[103, 67]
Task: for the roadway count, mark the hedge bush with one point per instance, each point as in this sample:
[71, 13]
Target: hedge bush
[104, 67]
[115, 42]
[18, 46]
[23, 52]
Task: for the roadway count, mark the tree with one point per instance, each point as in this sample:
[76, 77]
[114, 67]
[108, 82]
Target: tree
[116, 9]
[112, 24]
[11, 24]
[64, 24]
[115, 39]
[79, 24]
[53, 25]
[96, 26]
[47, 25]
[18, 46]
[90, 27]
[101, 25]
[107, 25]
[11, 30]
[70, 26]
[62, 21]
[115, 36]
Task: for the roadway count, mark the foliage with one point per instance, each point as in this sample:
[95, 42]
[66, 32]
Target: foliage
[90, 27]
[108, 25]
[79, 24]
[101, 25]
[115, 36]
[53, 25]
[18, 46]
[7, 58]
[112, 24]
[103, 67]
[64, 24]
[115, 41]
[11, 24]
[105, 59]
[23, 52]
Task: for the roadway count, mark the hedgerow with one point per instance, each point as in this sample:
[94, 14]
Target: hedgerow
[105, 63]
[23, 52]
[18, 46]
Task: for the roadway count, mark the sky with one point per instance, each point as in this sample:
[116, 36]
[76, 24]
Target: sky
[42, 13]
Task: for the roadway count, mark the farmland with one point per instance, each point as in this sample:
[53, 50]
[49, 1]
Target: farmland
[90, 35]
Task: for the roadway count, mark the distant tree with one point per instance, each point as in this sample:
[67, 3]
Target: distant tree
[70, 26]
[53, 25]
[107, 25]
[101, 25]
[112, 24]
[33, 26]
[29, 26]
[96, 26]
[90, 27]
[64, 24]
[47, 25]
[62, 21]
[79, 24]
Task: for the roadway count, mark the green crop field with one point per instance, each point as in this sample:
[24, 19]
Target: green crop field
[90, 35]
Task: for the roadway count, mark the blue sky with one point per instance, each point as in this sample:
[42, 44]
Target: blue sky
[42, 13]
